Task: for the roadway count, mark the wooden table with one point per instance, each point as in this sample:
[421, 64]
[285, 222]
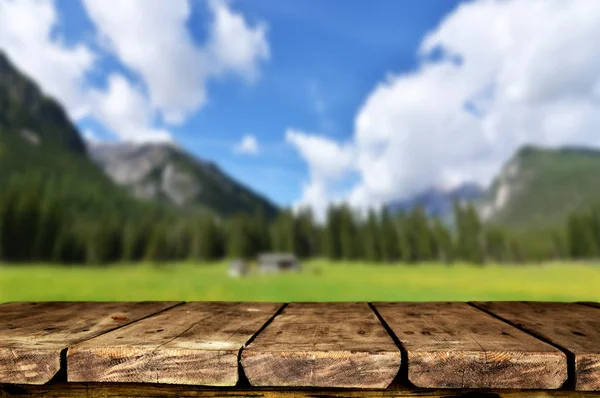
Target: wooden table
[225, 349]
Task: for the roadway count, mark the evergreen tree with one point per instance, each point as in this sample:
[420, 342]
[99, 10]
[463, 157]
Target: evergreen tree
[260, 231]
[332, 234]
[48, 227]
[26, 215]
[348, 231]
[403, 238]
[388, 237]
[371, 238]
[133, 242]
[558, 244]
[69, 247]
[307, 239]
[515, 250]
[443, 242]
[102, 243]
[239, 238]
[496, 245]
[469, 245]
[206, 239]
[283, 232]
[580, 232]
[2, 216]
[475, 235]
[419, 235]
[157, 249]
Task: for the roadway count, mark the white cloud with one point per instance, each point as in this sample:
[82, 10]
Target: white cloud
[529, 70]
[248, 145]
[174, 118]
[234, 45]
[123, 108]
[25, 35]
[151, 37]
[26, 28]
[327, 160]
[328, 163]
[316, 196]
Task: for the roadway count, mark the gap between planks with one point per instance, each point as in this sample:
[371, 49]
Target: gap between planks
[323, 345]
[570, 382]
[242, 378]
[572, 327]
[453, 345]
[197, 343]
[402, 376]
[30, 353]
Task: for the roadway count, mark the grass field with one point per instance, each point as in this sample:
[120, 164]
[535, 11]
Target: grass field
[320, 281]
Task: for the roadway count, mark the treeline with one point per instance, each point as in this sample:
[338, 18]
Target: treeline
[45, 219]
[413, 237]
[583, 231]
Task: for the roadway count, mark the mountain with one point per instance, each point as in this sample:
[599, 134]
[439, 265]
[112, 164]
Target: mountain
[36, 134]
[439, 202]
[540, 186]
[37, 138]
[536, 187]
[166, 173]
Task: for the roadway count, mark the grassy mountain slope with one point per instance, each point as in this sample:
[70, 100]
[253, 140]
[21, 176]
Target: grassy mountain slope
[36, 136]
[26, 111]
[539, 186]
[43, 160]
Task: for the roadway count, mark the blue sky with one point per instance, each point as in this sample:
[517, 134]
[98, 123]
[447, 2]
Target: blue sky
[325, 58]
[332, 100]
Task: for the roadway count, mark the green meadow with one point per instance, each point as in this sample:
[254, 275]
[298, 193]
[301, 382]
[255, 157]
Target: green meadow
[319, 281]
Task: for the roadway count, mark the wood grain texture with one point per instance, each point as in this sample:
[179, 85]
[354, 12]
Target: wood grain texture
[195, 343]
[97, 390]
[323, 345]
[453, 345]
[573, 327]
[33, 335]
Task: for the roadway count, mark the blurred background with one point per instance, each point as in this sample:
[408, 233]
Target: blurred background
[299, 150]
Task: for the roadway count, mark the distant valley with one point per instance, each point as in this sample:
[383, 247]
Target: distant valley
[439, 202]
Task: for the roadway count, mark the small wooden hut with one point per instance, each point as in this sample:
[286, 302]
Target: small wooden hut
[278, 262]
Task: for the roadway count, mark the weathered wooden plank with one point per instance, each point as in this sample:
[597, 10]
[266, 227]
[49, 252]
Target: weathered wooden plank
[33, 335]
[196, 343]
[453, 345]
[323, 345]
[97, 390]
[573, 327]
